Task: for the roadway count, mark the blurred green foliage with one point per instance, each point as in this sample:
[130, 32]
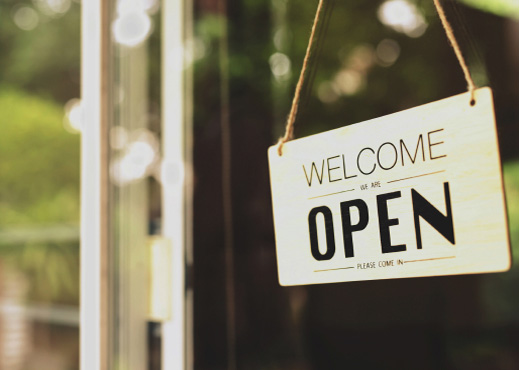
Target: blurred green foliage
[511, 178]
[39, 160]
[44, 60]
[39, 186]
[505, 8]
[39, 164]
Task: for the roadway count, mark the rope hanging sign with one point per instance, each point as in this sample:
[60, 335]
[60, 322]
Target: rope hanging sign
[415, 193]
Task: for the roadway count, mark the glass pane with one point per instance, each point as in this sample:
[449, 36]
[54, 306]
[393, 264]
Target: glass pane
[371, 59]
[134, 170]
[39, 184]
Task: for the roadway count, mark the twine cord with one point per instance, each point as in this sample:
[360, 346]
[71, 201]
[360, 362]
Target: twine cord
[289, 129]
[471, 86]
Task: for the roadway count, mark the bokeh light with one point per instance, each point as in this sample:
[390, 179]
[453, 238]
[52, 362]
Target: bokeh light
[402, 16]
[138, 159]
[326, 92]
[387, 52]
[53, 8]
[118, 137]
[150, 6]
[133, 24]
[132, 28]
[280, 66]
[282, 38]
[26, 18]
[348, 81]
[351, 78]
[73, 119]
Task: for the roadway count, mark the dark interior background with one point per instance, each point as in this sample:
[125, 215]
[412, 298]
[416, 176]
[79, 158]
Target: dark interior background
[459, 322]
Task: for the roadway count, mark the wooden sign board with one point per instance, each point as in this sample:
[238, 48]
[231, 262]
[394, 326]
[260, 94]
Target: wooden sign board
[415, 193]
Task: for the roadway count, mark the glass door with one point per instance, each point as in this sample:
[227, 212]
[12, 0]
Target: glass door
[135, 185]
[180, 102]
[370, 59]
[118, 152]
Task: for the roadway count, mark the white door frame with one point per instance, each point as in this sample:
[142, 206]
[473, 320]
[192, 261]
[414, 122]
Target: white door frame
[94, 185]
[177, 353]
[96, 328]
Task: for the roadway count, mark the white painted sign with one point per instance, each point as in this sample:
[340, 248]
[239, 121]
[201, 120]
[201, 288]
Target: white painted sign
[415, 193]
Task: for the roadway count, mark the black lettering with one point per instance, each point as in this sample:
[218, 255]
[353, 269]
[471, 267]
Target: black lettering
[330, 169]
[347, 227]
[385, 222]
[443, 224]
[330, 237]
[316, 173]
[358, 162]
[432, 144]
[413, 159]
[378, 156]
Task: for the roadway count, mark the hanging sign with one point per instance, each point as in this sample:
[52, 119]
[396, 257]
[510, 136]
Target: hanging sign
[415, 193]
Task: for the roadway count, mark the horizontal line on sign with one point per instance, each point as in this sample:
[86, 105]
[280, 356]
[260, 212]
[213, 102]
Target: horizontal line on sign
[412, 177]
[325, 195]
[340, 268]
[431, 259]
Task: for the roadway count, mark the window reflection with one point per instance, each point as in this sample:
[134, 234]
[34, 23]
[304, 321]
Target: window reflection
[369, 60]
